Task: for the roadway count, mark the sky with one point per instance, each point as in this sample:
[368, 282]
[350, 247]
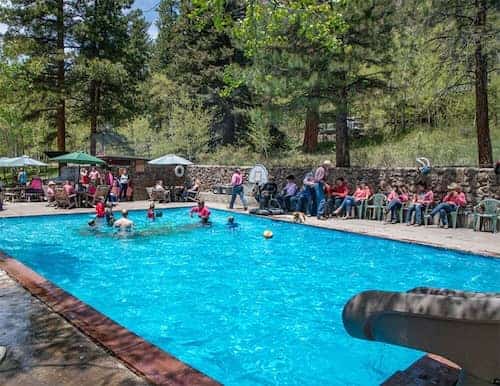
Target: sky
[147, 6]
[149, 9]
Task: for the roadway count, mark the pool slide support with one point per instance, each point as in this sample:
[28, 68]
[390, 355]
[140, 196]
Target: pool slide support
[463, 327]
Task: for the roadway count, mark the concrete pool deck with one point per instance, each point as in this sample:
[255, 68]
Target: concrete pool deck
[45, 349]
[50, 356]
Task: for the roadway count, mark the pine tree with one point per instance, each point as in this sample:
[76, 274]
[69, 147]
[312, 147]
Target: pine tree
[112, 55]
[196, 54]
[467, 35]
[311, 54]
[38, 35]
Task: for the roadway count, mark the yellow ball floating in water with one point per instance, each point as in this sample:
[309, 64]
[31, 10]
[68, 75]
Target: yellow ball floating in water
[268, 234]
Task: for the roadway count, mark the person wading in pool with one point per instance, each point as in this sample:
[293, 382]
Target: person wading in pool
[124, 223]
[203, 212]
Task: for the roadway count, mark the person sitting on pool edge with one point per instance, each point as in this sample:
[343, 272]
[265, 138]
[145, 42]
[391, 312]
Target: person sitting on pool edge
[202, 211]
[124, 223]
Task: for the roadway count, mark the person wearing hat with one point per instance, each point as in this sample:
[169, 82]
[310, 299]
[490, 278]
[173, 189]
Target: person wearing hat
[453, 200]
[51, 192]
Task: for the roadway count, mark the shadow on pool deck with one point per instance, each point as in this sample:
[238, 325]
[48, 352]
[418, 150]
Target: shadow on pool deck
[44, 349]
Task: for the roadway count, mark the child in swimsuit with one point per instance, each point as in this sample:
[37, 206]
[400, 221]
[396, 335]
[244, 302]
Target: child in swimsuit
[151, 212]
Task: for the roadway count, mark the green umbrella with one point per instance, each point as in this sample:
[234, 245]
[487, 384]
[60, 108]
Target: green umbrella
[80, 158]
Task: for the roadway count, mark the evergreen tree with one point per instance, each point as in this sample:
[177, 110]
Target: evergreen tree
[113, 51]
[467, 34]
[38, 34]
[196, 54]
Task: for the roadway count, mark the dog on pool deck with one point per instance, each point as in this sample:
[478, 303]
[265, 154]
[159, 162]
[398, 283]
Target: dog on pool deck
[299, 217]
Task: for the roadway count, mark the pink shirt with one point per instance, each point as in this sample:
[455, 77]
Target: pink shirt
[109, 179]
[394, 195]
[320, 173]
[94, 175]
[50, 192]
[237, 179]
[361, 194]
[457, 199]
[425, 198]
[202, 212]
[69, 189]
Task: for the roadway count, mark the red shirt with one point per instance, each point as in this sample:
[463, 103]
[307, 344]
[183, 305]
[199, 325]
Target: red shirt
[100, 210]
[339, 191]
[202, 212]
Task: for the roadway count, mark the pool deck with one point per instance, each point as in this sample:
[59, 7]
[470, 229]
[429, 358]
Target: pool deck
[43, 349]
[46, 346]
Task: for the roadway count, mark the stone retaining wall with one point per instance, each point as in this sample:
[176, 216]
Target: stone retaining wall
[476, 183]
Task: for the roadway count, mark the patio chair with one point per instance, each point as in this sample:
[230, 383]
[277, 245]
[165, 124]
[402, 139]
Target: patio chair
[63, 200]
[376, 204]
[158, 195]
[193, 196]
[35, 190]
[358, 210]
[452, 217]
[488, 210]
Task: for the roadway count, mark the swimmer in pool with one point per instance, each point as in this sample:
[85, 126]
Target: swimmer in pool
[151, 212]
[110, 218]
[231, 224]
[203, 213]
[124, 223]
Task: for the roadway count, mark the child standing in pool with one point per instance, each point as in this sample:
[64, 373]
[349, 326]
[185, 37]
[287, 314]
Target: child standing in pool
[151, 212]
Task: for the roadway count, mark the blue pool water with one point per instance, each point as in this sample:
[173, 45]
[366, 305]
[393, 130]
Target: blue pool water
[242, 309]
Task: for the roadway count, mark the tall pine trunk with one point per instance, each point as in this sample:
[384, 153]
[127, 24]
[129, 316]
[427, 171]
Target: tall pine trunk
[311, 129]
[94, 116]
[61, 104]
[342, 131]
[481, 87]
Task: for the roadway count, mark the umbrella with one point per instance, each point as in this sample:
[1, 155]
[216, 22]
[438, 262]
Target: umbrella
[20, 162]
[170, 159]
[80, 158]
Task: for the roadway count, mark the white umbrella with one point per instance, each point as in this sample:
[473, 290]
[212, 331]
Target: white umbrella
[170, 159]
[20, 162]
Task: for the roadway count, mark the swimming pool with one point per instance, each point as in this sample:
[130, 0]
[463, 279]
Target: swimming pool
[242, 309]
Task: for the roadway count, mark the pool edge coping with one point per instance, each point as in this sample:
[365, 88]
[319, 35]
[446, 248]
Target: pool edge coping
[142, 357]
[405, 240]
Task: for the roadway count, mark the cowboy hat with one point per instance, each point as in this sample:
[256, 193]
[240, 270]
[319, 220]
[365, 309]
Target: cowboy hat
[453, 186]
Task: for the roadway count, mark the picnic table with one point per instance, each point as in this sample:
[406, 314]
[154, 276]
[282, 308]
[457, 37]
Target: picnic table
[14, 193]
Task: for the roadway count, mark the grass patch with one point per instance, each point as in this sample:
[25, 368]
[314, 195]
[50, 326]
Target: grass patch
[444, 147]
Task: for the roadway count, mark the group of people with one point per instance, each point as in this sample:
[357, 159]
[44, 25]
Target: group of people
[188, 192]
[104, 213]
[319, 198]
[120, 185]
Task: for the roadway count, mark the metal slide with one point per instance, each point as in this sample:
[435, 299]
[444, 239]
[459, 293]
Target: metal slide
[461, 326]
